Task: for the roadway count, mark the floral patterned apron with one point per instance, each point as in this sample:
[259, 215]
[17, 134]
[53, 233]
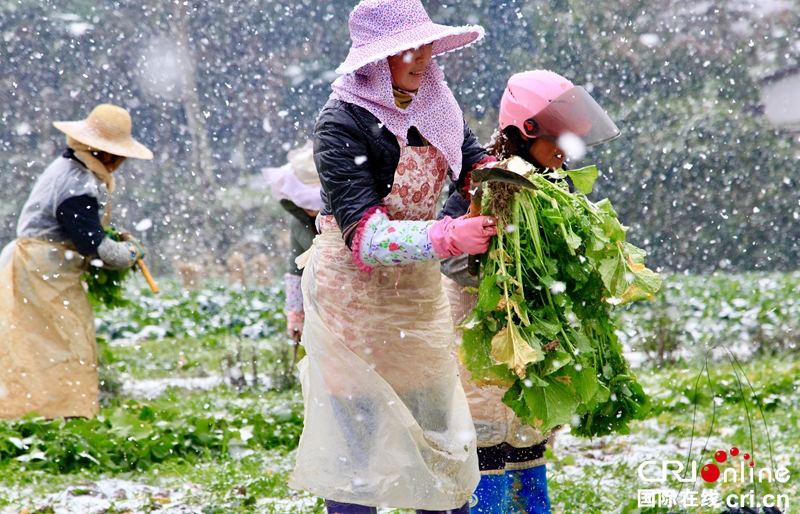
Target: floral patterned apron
[387, 423]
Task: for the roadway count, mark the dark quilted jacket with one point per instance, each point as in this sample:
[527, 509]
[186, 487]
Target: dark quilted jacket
[356, 157]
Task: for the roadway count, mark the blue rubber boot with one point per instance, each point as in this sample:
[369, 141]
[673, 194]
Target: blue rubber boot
[491, 496]
[528, 490]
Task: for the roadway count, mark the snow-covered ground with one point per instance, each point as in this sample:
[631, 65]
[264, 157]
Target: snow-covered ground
[153, 387]
[97, 497]
[132, 497]
[630, 450]
[150, 388]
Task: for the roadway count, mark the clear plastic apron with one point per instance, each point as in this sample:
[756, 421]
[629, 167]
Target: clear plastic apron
[48, 360]
[387, 423]
[495, 422]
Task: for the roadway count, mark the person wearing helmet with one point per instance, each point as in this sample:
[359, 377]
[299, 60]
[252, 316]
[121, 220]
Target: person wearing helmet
[537, 110]
[47, 338]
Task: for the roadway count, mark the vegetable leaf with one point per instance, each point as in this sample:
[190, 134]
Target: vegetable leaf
[584, 178]
[550, 406]
[626, 277]
[104, 285]
[511, 349]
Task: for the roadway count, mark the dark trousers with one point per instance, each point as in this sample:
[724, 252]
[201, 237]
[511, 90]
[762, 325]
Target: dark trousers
[495, 458]
[360, 438]
[349, 508]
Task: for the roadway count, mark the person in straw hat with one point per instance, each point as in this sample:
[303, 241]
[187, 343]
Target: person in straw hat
[47, 338]
[296, 185]
[387, 423]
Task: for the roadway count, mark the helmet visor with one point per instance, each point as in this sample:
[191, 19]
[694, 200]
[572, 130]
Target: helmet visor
[576, 112]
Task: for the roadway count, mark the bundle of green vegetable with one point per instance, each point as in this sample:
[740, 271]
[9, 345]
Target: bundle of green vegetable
[105, 285]
[543, 326]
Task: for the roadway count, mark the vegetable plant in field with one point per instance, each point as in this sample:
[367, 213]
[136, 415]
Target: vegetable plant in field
[105, 285]
[543, 327]
[135, 436]
[210, 311]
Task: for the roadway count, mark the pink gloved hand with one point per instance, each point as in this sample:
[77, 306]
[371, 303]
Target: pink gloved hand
[451, 237]
[294, 323]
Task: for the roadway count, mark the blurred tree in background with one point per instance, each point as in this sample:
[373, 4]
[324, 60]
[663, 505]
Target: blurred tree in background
[220, 89]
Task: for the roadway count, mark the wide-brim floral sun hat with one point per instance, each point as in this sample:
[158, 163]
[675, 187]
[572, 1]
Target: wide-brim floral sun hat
[381, 28]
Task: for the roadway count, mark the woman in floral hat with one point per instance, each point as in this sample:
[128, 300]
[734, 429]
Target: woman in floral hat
[387, 422]
[47, 339]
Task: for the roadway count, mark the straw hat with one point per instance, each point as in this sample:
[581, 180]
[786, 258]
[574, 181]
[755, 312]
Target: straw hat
[286, 186]
[302, 161]
[107, 129]
[380, 28]
[297, 180]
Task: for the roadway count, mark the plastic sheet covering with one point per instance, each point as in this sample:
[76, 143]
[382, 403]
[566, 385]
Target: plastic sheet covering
[386, 420]
[48, 359]
[495, 422]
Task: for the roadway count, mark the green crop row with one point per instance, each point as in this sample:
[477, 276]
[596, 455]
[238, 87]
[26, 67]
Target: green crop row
[133, 435]
[749, 313]
[176, 312]
[757, 312]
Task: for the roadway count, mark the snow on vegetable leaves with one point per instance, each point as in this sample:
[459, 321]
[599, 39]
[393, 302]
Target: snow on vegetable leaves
[543, 326]
[213, 310]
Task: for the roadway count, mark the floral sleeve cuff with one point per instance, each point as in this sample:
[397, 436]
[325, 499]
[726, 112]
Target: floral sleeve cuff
[294, 292]
[380, 241]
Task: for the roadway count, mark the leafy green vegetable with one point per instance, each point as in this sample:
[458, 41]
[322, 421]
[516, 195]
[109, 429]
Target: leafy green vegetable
[134, 436]
[105, 285]
[543, 326]
[584, 178]
[510, 348]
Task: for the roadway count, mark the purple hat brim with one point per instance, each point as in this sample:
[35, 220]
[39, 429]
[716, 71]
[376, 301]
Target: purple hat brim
[444, 38]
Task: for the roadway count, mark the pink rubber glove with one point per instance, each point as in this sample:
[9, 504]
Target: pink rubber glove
[294, 323]
[451, 237]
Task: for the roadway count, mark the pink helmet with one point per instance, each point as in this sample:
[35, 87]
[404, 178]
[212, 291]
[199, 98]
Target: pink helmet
[527, 93]
[541, 103]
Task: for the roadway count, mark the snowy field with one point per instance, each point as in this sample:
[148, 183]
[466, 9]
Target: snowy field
[201, 410]
[203, 418]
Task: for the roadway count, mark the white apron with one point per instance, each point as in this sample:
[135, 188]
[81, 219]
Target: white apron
[387, 423]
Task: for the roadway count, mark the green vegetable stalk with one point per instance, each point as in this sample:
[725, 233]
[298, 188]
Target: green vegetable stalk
[105, 285]
[543, 326]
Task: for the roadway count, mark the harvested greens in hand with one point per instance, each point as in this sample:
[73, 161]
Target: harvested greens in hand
[543, 327]
[105, 285]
